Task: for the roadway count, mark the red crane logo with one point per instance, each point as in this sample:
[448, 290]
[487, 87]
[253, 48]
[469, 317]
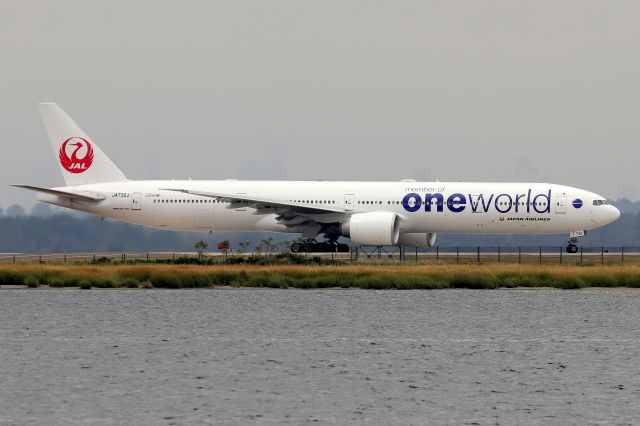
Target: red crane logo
[74, 164]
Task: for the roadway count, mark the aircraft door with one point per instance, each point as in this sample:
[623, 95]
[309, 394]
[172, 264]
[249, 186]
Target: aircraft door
[349, 201]
[136, 201]
[561, 204]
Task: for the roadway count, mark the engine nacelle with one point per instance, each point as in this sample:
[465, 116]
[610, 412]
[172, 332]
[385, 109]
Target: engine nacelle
[372, 228]
[413, 240]
[417, 239]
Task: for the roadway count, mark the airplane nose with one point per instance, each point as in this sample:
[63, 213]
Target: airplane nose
[615, 213]
[611, 214]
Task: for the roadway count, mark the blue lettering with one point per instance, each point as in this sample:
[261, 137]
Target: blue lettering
[518, 201]
[480, 202]
[508, 203]
[456, 202]
[439, 200]
[417, 202]
[546, 209]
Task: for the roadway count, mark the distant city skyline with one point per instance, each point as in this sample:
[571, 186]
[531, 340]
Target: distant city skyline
[480, 91]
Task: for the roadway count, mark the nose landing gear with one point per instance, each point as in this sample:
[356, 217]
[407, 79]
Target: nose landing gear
[572, 247]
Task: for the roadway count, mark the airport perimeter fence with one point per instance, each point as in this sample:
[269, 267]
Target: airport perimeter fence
[544, 255]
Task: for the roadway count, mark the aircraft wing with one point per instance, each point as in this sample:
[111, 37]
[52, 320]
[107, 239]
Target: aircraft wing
[296, 216]
[67, 194]
[262, 204]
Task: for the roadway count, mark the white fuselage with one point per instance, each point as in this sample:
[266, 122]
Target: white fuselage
[423, 207]
[370, 213]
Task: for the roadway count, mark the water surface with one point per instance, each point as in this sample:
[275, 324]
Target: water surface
[255, 356]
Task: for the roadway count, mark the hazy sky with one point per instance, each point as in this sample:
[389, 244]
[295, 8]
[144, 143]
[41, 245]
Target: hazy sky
[368, 90]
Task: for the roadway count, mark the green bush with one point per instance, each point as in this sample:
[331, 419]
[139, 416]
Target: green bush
[11, 278]
[161, 281]
[102, 282]
[55, 282]
[600, 280]
[628, 280]
[128, 282]
[474, 282]
[570, 283]
[63, 281]
[31, 281]
[194, 281]
[224, 278]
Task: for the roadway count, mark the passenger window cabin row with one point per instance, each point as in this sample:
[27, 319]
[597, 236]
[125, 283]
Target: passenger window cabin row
[332, 202]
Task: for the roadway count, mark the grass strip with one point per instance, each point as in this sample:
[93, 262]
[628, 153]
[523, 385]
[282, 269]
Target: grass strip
[319, 276]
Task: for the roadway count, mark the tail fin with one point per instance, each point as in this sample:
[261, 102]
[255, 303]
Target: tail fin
[80, 159]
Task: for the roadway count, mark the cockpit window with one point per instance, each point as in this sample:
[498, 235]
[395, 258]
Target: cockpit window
[601, 202]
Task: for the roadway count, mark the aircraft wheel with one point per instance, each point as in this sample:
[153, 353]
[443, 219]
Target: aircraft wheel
[295, 248]
[307, 248]
[572, 248]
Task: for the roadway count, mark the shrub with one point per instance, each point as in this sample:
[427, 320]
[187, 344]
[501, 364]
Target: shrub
[475, 282]
[11, 277]
[102, 282]
[224, 277]
[601, 280]
[163, 281]
[69, 281]
[129, 282]
[31, 281]
[55, 282]
[570, 282]
[194, 280]
[628, 280]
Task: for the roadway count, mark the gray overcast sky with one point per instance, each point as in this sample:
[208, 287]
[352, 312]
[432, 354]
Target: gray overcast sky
[449, 90]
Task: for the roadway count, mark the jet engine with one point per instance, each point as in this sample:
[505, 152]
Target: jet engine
[372, 228]
[417, 239]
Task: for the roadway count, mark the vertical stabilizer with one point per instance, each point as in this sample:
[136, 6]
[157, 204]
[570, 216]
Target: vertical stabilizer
[80, 159]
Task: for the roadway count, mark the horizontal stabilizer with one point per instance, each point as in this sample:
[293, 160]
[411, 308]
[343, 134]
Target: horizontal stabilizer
[72, 195]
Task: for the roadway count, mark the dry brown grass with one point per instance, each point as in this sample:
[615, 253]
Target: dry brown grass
[358, 275]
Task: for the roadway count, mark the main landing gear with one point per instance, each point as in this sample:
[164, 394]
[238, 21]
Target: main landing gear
[572, 247]
[312, 246]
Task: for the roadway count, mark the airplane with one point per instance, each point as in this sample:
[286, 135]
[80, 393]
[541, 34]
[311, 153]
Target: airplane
[402, 213]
